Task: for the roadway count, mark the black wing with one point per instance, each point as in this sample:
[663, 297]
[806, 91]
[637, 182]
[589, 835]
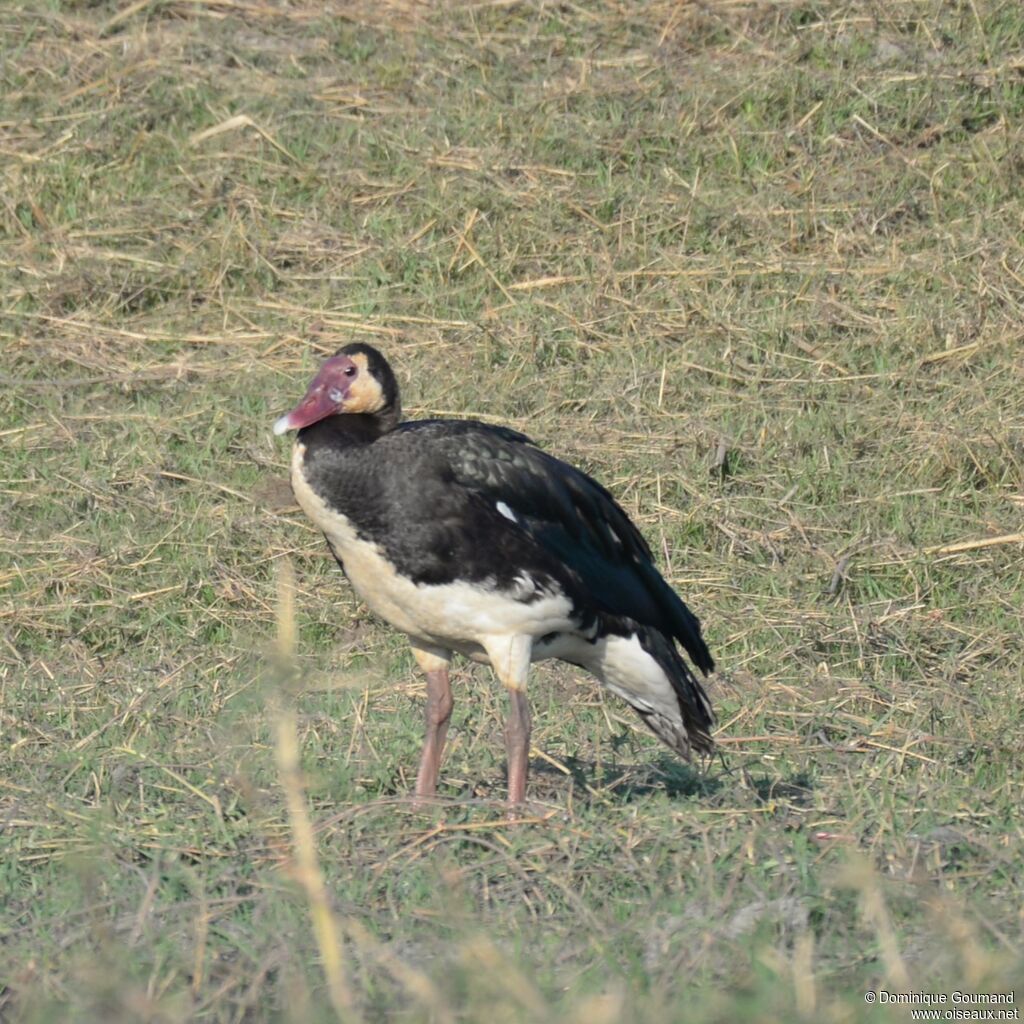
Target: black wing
[575, 520]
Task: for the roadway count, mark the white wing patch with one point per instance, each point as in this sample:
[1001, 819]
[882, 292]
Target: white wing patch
[506, 511]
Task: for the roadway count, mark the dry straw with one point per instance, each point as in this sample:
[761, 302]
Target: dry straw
[306, 866]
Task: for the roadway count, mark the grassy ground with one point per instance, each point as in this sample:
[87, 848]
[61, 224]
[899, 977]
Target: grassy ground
[756, 265]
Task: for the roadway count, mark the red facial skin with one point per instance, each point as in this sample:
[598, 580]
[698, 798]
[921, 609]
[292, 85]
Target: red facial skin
[325, 396]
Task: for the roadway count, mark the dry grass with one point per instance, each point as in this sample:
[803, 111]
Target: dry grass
[756, 265]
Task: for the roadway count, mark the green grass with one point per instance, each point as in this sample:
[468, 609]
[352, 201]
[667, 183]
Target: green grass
[758, 267]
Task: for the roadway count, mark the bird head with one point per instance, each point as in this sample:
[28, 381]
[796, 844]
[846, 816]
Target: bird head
[356, 379]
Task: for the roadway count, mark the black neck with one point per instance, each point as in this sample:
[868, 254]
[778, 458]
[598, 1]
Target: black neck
[350, 429]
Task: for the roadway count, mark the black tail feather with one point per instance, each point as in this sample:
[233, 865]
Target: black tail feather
[685, 627]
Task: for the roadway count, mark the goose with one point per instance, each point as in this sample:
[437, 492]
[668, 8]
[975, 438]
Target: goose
[470, 539]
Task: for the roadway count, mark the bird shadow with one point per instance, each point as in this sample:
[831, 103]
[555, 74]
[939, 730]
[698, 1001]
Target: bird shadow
[595, 780]
[796, 790]
[711, 780]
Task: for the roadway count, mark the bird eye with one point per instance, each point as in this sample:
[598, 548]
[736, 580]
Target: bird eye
[350, 371]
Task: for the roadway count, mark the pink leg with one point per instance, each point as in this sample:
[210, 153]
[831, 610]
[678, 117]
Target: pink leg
[510, 657]
[438, 714]
[517, 745]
